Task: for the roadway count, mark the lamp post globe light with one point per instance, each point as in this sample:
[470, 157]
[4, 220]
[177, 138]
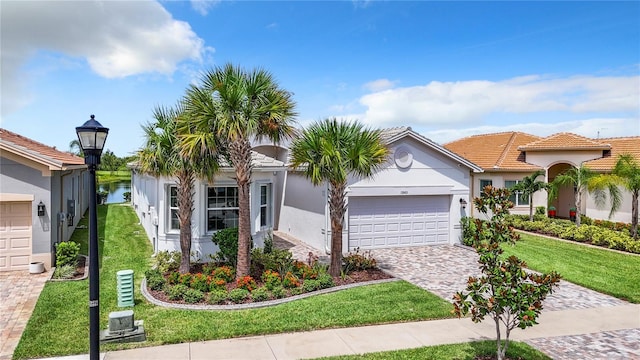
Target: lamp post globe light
[92, 136]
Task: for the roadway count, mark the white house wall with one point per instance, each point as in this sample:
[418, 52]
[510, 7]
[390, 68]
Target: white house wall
[622, 215]
[547, 158]
[150, 199]
[302, 213]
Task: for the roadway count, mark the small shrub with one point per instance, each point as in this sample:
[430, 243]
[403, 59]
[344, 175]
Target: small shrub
[310, 285]
[155, 280]
[173, 277]
[177, 292]
[540, 210]
[290, 281]
[193, 296]
[64, 272]
[200, 282]
[326, 281]
[278, 260]
[217, 297]
[246, 283]
[238, 295]
[356, 261]
[260, 294]
[127, 196]
[166, 261]
[185, 279]
[67, 253]
[279, 292]
[227, 241]
[295, 291]
[224, 272]
[271, 279]
[209, 267]
[268, 243]
[304, 271]
[217, 284]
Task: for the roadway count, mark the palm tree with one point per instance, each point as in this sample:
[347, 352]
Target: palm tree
[584, 180]
[162, 155]
[627, 170]
[76, 148]
[528, 186]
[238, 106]
[330, 151]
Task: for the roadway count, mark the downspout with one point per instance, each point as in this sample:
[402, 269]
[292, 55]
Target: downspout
[473, 182]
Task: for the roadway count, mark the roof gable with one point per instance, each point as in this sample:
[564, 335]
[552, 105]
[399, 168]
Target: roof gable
[38, 152]
[622, 145]
[564, 141]
[392, 135]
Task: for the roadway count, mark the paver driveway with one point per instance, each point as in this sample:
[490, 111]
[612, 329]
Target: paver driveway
[444, 270]
[19, 292]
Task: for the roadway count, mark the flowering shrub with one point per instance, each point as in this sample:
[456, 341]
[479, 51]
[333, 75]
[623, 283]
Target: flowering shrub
[304, 271]
[224, 272]
[200, 282]
[185, 279]
[217, 284]
[290, 281]
[173, 277]
[271, 279]
[356, 261]
[246, 282]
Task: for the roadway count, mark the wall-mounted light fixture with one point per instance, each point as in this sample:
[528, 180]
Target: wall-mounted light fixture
[41, 209]
[463, 203]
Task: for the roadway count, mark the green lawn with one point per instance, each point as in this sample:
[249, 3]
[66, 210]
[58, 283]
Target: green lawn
[466, 351]
[59, 324]
[113, 176]
[604, 271]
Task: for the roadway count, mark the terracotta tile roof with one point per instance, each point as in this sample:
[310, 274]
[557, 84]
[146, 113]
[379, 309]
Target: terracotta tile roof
[621, 145]
[498, 151]
[36, 151]
[565, 141]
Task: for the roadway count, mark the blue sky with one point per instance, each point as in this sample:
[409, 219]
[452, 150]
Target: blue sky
[447, 69]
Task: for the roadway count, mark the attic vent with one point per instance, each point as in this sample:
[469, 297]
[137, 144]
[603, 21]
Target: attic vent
[606, 153]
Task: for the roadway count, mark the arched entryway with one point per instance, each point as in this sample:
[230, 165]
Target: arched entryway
[566, 194]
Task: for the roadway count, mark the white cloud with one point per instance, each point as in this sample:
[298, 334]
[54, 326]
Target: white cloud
[203, 6]
[467, 101]
[117, 39]
[379, 85]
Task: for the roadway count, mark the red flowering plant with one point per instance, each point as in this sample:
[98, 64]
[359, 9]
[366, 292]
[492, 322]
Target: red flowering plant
[224, 272]
[173, 277]
[185, 279]
[290, 281]
[304, 271]
[200, 282]
[247, 283]
[217, 284]
[271, 279]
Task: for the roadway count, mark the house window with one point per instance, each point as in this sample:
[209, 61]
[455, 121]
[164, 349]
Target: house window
[222, 207]
[174, 222]
[265, 208]
[517, 198]
[484, 183]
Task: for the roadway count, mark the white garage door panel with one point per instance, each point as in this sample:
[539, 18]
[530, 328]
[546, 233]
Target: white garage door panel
[15, 235]
[378, 222]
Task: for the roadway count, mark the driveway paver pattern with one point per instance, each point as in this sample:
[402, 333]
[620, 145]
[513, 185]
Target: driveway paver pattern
[19, 292]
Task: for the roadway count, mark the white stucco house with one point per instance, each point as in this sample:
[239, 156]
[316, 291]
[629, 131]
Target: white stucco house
[43, 194]
[418, 198]
[154, 200]
[508, 157]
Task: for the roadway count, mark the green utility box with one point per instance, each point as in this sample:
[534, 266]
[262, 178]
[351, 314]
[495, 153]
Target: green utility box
[125, 288]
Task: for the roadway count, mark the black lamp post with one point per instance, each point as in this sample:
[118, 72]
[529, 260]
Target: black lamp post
[92, 136]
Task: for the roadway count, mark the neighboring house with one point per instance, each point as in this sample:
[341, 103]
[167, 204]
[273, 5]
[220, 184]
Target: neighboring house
[43, 194]
[215, 206]
[418, 198]
[508, 157]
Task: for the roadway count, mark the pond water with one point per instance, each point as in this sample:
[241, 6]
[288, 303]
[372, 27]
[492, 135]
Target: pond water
[115, 191]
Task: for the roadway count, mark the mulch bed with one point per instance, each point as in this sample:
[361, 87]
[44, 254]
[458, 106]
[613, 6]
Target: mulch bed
[353, 278]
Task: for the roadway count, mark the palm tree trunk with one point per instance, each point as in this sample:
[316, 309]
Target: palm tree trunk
[336, 213]
[185, 186]
[530, 207]
[634, 214]
[578, 205]
[240, 152]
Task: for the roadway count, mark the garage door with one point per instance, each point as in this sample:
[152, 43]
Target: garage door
[379, 222]
[15, 235]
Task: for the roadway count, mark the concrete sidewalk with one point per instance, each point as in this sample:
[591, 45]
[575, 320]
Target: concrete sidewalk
[358, 340]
